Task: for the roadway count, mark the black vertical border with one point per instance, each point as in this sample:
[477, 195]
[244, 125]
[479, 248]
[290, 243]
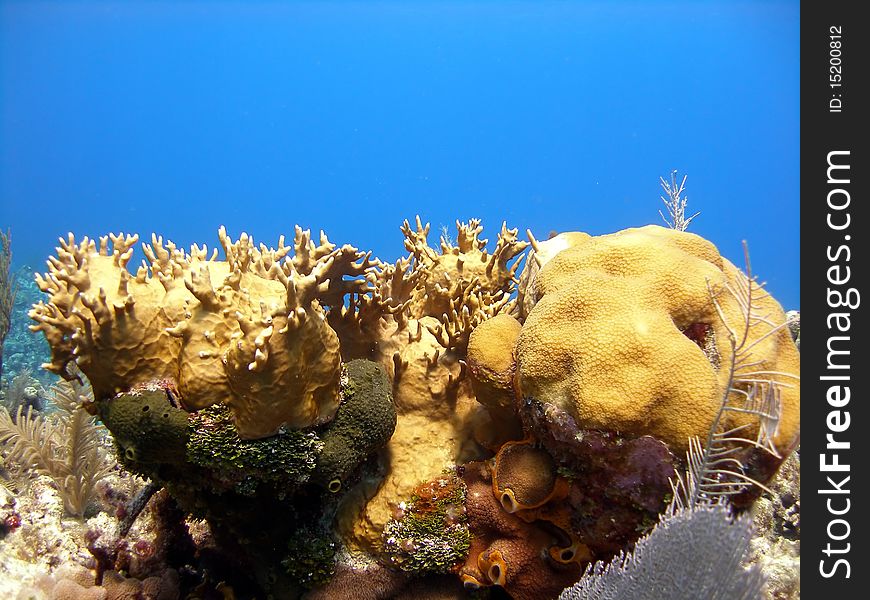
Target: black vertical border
[824, 131]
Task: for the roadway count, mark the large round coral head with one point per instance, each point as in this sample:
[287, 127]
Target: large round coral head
[632, 332]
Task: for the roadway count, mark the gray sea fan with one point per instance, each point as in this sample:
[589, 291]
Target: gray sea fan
[691, 554]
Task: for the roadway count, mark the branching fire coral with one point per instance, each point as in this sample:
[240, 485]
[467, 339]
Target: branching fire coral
[249, 332]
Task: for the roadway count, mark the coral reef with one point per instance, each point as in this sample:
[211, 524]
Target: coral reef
[313, 422]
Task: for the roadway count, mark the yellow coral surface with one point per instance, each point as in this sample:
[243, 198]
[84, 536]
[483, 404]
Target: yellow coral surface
[491, 362]
[249, 331]
[626, 336]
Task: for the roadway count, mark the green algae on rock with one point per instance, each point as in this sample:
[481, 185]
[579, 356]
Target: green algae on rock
[430, 533]
[286, 459]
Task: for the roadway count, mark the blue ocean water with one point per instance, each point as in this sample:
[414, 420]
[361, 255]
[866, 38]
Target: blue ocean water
[349, 117]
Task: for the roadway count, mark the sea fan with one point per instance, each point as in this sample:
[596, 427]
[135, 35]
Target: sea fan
[65, 446]
[690, 554]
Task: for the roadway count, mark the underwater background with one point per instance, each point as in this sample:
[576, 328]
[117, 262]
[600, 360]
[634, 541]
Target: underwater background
[176, 118]
[443, 417]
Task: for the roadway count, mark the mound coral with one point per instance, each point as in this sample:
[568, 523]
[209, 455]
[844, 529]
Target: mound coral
[249, 332]
[630, 330]
[492, 364]
[540, 254]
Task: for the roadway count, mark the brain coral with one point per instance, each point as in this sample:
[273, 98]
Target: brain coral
[626, 336]
[249, 332]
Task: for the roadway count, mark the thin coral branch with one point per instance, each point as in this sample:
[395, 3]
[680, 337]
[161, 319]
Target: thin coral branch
[676, 205]
[714, 472]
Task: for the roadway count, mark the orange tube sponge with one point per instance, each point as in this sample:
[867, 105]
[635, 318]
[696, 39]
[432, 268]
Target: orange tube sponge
[508, 551]
[525, 477]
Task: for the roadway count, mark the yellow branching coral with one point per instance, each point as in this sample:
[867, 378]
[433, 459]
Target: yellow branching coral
[451, 273]
[249, 331]
[416, 321]
[380, 311]
[469, 309]
[626, 336]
